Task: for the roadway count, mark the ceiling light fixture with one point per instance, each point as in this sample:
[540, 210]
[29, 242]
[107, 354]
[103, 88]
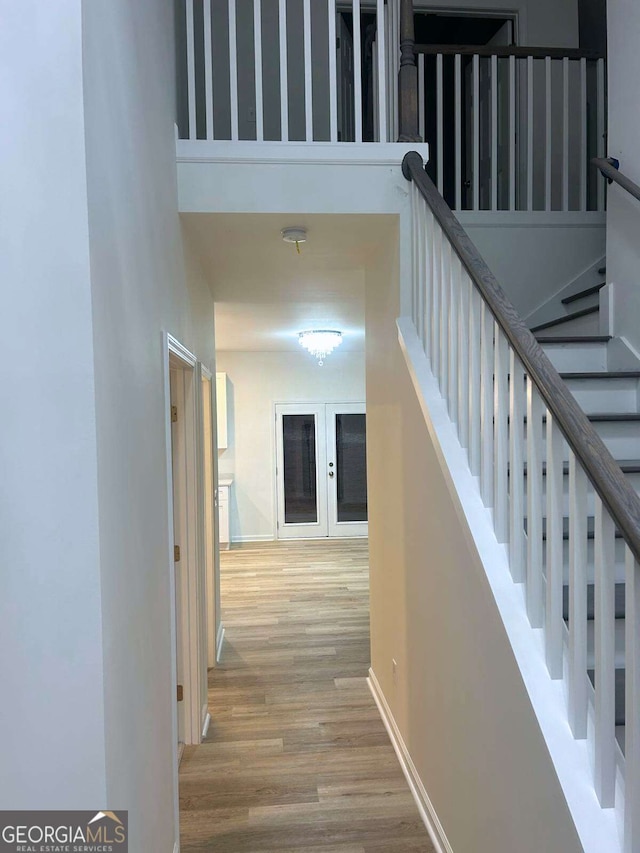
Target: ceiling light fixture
[296, 234]
[320, 343]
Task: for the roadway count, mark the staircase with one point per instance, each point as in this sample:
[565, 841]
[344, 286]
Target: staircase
[611, 400]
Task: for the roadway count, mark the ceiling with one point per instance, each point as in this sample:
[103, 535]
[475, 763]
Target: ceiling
[265, 292]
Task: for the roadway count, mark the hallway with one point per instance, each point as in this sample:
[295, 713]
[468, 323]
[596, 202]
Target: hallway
[297, 758]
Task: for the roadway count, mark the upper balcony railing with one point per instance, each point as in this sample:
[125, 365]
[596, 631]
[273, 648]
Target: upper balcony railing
[509, 128]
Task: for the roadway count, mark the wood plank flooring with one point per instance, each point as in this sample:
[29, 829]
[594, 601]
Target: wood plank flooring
[297, 758]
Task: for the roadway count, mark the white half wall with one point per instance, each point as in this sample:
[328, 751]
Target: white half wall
[458, 698]
[536, 255]
[623, 217]
[258, 381]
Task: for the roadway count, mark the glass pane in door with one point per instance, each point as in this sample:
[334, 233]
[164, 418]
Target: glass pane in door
[299, 453]
[351, 467]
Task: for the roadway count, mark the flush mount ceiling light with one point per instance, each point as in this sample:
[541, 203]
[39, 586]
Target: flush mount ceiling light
[295, 234]
[320, 343]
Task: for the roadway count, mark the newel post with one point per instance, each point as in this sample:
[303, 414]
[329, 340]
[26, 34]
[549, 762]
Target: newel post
[408, 77]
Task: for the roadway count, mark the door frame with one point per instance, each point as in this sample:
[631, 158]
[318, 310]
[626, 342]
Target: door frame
[311, 528]
[321, 410]
[188, 446]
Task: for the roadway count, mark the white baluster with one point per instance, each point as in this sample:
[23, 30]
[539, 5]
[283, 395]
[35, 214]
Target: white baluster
[554, 624]
[494, 132]
[547, 119]
[632, 705]
[458, 129]
[440, 123]
[529, 133]
[486, 404]
[422, 265]
[600, 119]
[382, 73]
[429, 228]
[445, 291]
[191, 71]
[333, 87]
[501, 436]
[415, 281]
[257, 52]
[565, 133]
[512, 133]
[208, 70]
[516, 468]
[463, 282]
[454, 297]
[284, 81]
[475, 405]
[421, 115]
[233, 69]
[436, 283]
[308, 72]
[476, 132]
[534, 506]
[605, 761]
[583, 134]
[357, 71]
[578, 684]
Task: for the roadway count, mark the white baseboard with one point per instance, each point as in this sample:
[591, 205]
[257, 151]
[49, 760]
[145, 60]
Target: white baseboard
[205, 725]
[219, 642]
[425, 806]
[258, 537]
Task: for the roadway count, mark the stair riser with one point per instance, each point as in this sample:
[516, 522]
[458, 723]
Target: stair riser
[605, 395]
[588, 325]
[577, 357]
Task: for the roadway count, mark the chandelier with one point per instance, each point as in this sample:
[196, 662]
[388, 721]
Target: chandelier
[320, 343]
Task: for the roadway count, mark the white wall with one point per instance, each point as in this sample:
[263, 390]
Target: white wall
[459, 700]
[138, 290]
[623, 217]
[53, 753]
[259, 380]
[535, 255]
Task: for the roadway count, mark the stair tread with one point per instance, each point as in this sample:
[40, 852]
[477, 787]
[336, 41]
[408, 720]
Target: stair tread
[566, 319]
[582, 294]
[601, 374]
[573, 339]
[601, 417]
[629, 466]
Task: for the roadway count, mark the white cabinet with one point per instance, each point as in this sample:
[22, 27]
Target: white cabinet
[224, 488]
[222, 397]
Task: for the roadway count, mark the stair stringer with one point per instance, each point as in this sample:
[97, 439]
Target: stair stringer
[598, 829]
[553, 307]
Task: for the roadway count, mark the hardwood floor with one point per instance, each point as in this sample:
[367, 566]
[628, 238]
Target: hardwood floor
[297, 758]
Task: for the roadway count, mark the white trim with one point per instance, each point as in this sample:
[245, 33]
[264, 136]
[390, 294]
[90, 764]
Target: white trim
[571, 758]
[315, 153]
[219, 642]
[206, 724]
[257, 537]
[424, 804]
[176, 847]
[180, 351]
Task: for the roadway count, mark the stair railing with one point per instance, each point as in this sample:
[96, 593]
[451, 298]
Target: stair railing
[511, 410]
[513, 128]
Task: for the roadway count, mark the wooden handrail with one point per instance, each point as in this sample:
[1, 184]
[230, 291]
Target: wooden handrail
[521, 52]
[617, 495]
[611, 172]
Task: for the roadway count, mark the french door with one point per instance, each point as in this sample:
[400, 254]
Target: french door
[321, 470]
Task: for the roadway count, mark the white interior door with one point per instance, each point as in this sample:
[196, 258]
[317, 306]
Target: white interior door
[347, 469]
[321, 470]
[175, 384]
